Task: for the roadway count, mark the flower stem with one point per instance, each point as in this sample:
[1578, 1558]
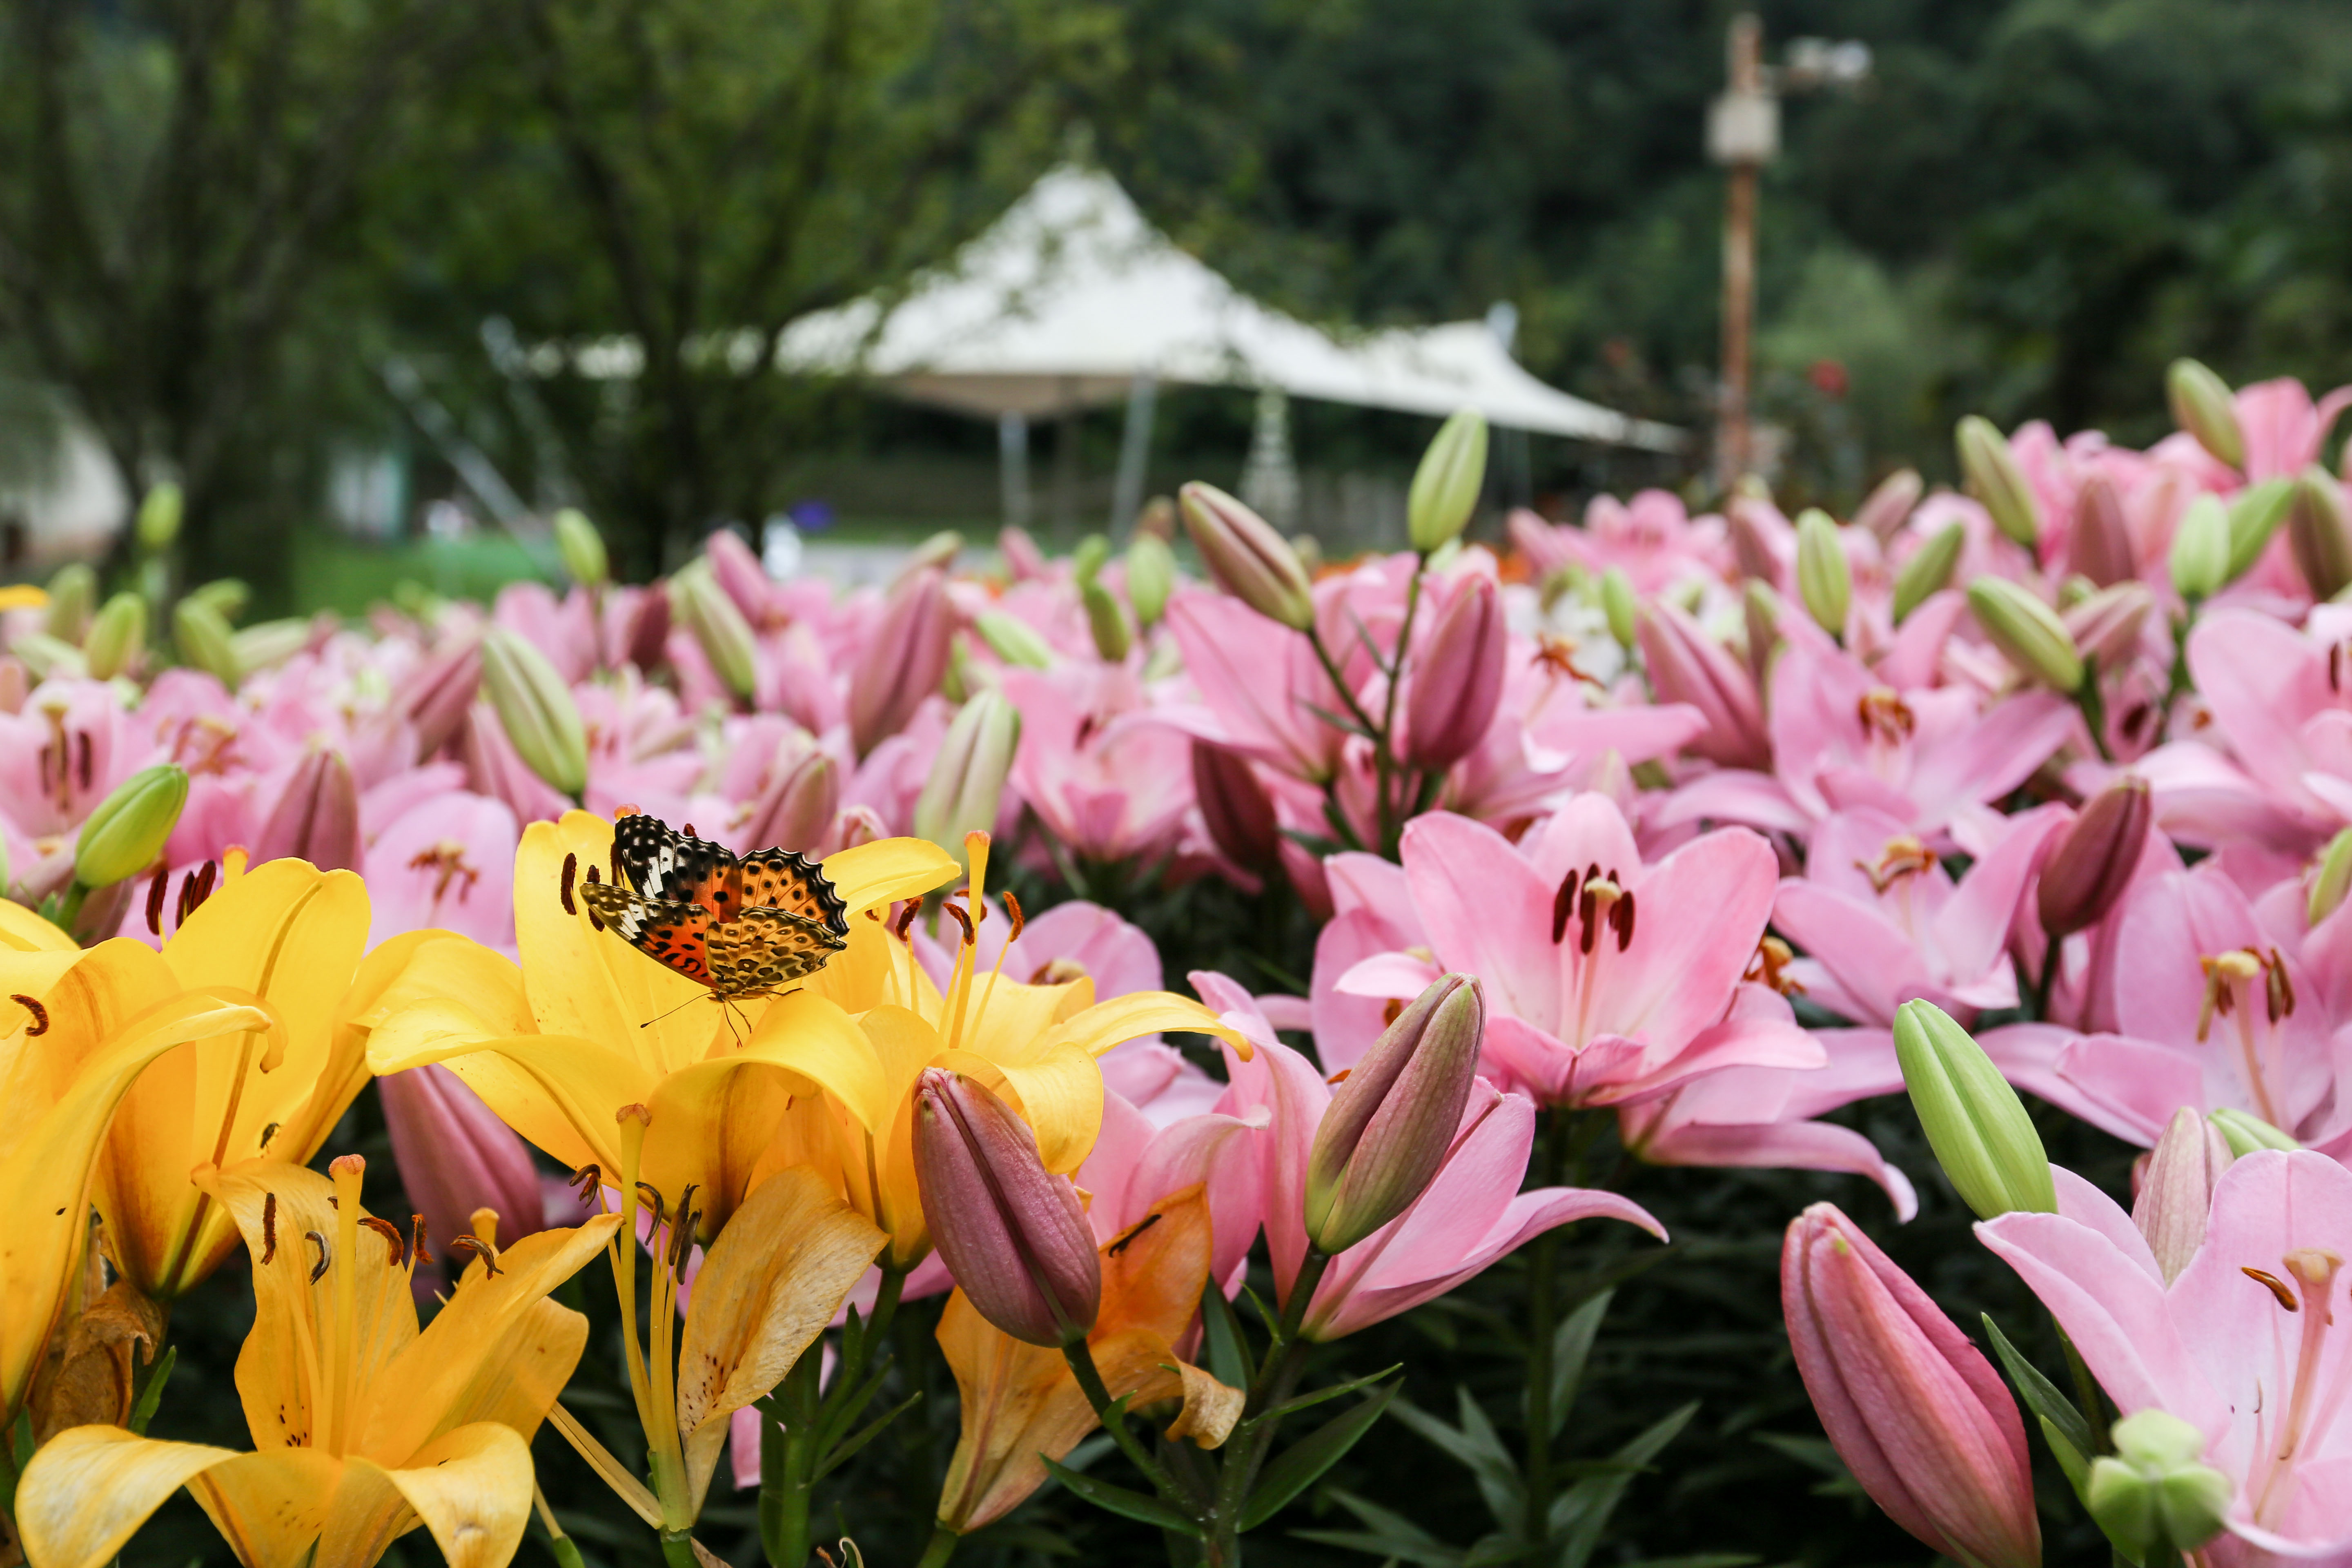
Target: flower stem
[942, 1547]
[1543, 1307]
[796, 1431]
[1091, 1383]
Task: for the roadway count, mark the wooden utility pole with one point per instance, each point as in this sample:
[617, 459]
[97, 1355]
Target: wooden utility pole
[1743, 132]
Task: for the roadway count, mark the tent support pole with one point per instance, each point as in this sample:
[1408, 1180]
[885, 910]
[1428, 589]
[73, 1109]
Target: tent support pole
[1013, 467]
[1134, 453]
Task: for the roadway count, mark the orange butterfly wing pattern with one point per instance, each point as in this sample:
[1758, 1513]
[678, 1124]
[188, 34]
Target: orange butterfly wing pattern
[741, 926]
[674, 934]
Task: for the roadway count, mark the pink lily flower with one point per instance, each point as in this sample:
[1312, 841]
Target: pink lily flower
[1651, 538]
[2285, 429]
[1471, 1215]
[1138, 1160]
[1608, 981]
[564, 629]
[456, 1156]
[448, 864]
[1106, 777]
[2241, 1344]
[1260, 686]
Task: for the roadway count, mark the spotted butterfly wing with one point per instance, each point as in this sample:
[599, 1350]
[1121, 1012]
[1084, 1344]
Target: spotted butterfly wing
[788, 880]
[670, 866]
[674, 934]
[740, 927]
[762, 949]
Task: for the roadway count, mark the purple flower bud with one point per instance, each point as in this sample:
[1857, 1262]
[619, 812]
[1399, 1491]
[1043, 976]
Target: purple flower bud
[2176, 1192]
[2319, 532]
[437, 694]
[643, 630]
[2095, 861]
[797, 806]
[1459, 681]
[1889, 506]
[2105, 626]
[318, 817]
[1247, 557]
[2099, 546]
[1235, 807]
[1013, 1235]
[1685, 665]
[905, 654]
[739, 572]
[1390, 1126]
[456, 1156]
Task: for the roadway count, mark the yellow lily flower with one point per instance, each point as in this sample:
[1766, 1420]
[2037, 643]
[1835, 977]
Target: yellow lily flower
[69, 1054]
[362, 1426]
[1034, 1047]
[23, 596]
[1021, 1400]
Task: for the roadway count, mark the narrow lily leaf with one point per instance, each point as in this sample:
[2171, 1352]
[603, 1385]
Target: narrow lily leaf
[844, 1415]
[1225, 1353]
[1299, 1466]
[1479, 1451]
[865, 1434]
[1391, 1535]
[1308, 1401]
[1583, 1512]
[2070, 1459]
[143, 1411]
[1120, 1501]
[2043, 1396]
[1571, 1345]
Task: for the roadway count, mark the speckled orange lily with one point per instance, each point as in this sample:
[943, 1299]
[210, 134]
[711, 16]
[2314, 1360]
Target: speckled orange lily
[362, 1428]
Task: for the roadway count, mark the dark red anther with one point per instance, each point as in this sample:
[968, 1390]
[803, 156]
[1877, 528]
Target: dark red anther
[326, 1256]
[41, 1024]
[563, 887]
[155, 890]
[81, 758]
[391, 1233]
[268, 1227]
[1622, 917]
[1013, 909]
[418, 1232]
[475, 1244]
[905, 919]
[1588, 914]
[1563, 904]
[962, 920]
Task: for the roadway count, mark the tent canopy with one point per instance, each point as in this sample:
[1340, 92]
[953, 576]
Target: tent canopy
[1071, 298]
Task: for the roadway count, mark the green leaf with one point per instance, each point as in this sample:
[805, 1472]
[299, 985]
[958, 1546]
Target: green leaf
[1815, 1453]
[1391, 1535]
[1227, 1358]
[841, 1453]
[1479, 1450]
[1308, 1401]
[1119, 1501]
[1303, 1463]
[1583, 1511]
[2040, 1395]
[151, 1395]
[2071, 1459]
[1571, 1343]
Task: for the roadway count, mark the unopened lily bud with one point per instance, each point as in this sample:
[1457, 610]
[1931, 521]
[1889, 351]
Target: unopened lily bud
[1014, 640]
[1824, 581]
[1974, 1121]
[437, 694]
[1446, 485]
[1928, 568]
[2094, 859]
[1991, 471]
[1889, 506]
[966, 783]
[318, 817]
[205, 640]
[1620, 607]
[1458, 683]
[798, 805]
[123, 837]
[1150, 577]
[645, 630]
[1920, 1418]
[160, 511]
[1106, 621]
[711, 613]
[73, 599]
[939, 550]
[2333, 878]
[581, 548]
[2100, 544]
[2154, 1495]
[2105, 625]
[2255, 513]
[118, 636]
[2245, 1133]
[1090, 557]
[1246, 556]
[1685, 665]
[268, 644]
[1156, 520]
[2028, 631]
[2202, 406]
[1389, 1128]
[229, 595]
[1235, 807]
[1744, 522]
[2199, 562]
[1013, 1234]
[2319, 532]
[537, 710]
[1023, 562]
[46, 656]
[2176, 1193]
[904, 657]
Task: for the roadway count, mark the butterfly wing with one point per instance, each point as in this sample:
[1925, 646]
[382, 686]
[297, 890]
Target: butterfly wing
[760, 949]
[673, 934]
[788, 880]
[673, 868]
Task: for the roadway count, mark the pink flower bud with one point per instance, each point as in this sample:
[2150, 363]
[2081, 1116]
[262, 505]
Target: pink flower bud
[1391, 1124]
[1889, 506]
[1235, 808]
[2176, 1192]
[1921, 1419]
[2094, 861]
[1685, 665]
[905, 654]
[1247, 557]
[2099, 546]
[798, 805]
[2105, 626]
[1023, 562]
[456, 1156]
[638, 628]
[437, 694]
[739, 572]
[1459, 682]
[318, 817]
[1014, 1235]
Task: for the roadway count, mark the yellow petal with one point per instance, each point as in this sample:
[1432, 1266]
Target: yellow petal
[471, 1488]
[887, 869]
[560, 1094]
[270, 1506]
[715, 1127]
[1140, 1013]
[437, 966]
[23, 596]
[88, 1490]
[769, 1286]
[805, 1033]
[1061, 1097]
[1212, 1409]
[25, 932]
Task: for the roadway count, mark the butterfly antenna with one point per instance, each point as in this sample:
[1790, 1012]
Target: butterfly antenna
[681, 1007]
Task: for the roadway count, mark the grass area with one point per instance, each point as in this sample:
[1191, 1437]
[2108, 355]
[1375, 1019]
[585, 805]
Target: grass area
[348, 576]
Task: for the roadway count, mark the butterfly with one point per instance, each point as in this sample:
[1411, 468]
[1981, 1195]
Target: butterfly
[741, 925]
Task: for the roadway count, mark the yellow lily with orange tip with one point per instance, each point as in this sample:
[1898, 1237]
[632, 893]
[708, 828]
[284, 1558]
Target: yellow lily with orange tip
[1035, 1046]
[68, 1054]
[362, 1428]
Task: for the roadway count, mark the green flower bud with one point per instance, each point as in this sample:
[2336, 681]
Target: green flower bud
[1824, 581]
[2333, 879]
[1150, 577]
[1618, 603]
[73, 596]
[1014, 640]
[1974, 1121]
[1106, 621]
[158, 523]
[939, 550]
[229, 595]
[2319, 532]
[47, 656]
[712, 616]
[268, 644]
[2245, 1133]
[1992, 476]
[1246, 556]
[2154, 1494]
[2028, 631]
[966, 783]
[2202, 406]
[1928, 568]
[1445, 487]
[204, 641]
[2200, 561]
[123, 837]
[1089, 558]
[118, 636]
[2255, 514]
[582, 549]
[537, 709]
